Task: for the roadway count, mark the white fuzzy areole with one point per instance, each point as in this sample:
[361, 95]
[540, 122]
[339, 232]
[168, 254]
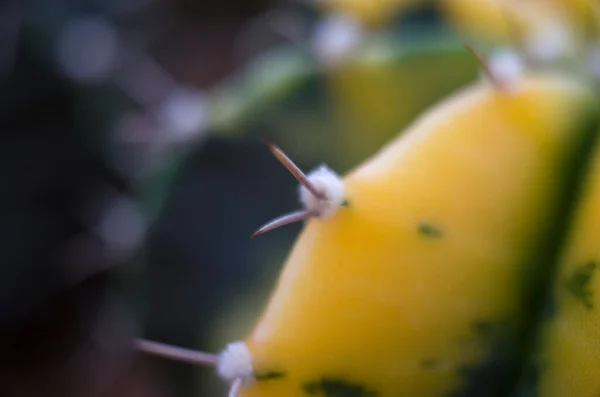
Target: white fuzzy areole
[507, 67]
[235, 362]
[331, 185]
[335, 37]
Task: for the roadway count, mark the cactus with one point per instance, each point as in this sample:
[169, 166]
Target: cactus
[421, 285]
[420, 271]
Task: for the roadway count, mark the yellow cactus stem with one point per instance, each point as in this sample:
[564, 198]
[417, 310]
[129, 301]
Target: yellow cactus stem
[422, 282]
[568, 356]
[581, 14]
[371, 13]
[385, 84]
[503, 21]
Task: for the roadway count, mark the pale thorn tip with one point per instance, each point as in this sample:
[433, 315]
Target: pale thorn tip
[235, 362]
[292, 168]
[485, 68]
[176, 353]
[283, 220]
[235, 387]
[331, 185]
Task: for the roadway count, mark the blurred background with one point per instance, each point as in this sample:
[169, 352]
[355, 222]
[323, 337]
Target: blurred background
[132, 173]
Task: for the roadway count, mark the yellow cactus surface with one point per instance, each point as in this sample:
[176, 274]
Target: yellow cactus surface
[569, 356]
[374, 95]
[420, 282]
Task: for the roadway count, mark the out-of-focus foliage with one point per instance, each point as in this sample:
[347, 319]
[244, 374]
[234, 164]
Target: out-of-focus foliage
[343, 113]
[387, 83]
[261, 87]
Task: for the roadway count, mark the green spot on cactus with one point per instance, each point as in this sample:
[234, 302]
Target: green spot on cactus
[429, 230]
[330, 387]
[429, 362]
[578, 284]
[269, 375]
[491, 375]
[483, 328]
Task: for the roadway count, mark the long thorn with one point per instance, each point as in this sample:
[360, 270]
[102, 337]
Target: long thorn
[176, 353]
[484, 66]
[294, 170]
[284, 220]
[235, 387]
